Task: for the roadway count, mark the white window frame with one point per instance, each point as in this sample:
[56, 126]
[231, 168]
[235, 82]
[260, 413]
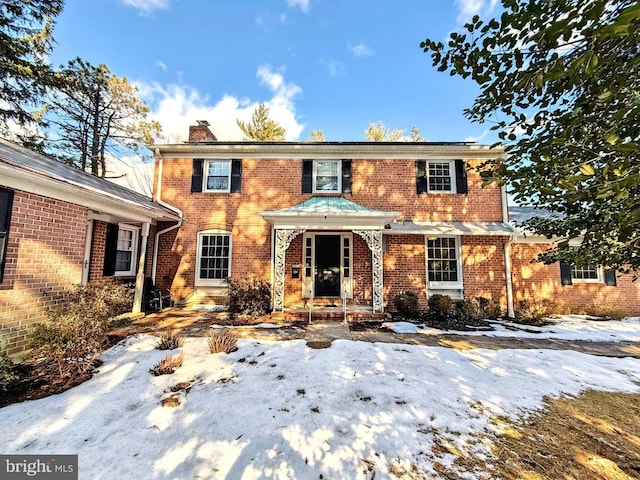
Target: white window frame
[134, 250]
[452, 176]
[598, 279]
[339, 176]
[205, 176]
[215, 282]
[442, 285]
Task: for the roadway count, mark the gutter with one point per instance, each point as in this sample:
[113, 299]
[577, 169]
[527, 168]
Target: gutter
[507, 255]
[154, 263]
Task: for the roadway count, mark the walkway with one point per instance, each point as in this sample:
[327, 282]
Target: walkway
[322, 334]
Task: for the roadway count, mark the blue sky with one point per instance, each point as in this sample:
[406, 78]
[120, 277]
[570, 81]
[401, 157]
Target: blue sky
[318, 64]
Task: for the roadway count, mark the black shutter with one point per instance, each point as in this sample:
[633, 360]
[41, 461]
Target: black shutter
[461, 177]
[346, 176]
[307, 176]
[421, 176]
[196, 175]
[110, 250]
[6, 204]
[236, 176]
[610, 278]
[565, 273]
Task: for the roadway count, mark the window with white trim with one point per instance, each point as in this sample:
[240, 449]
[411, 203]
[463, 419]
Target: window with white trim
[126, 249]
[213, 258]
[327, 176]
[441, 176]
[586, 274]
[443, 262]
[217, 176]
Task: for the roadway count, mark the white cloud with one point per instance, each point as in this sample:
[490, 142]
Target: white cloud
[304, 5]
[147, 6]
[335, 67]
[361, 50]
[177, 106]
[161, 65]
[468, 8]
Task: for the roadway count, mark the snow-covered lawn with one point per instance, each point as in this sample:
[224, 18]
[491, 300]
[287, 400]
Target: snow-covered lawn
[284, 410]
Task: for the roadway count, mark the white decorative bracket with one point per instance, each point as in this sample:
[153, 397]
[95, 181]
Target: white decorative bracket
[373, 238]
[284, 237]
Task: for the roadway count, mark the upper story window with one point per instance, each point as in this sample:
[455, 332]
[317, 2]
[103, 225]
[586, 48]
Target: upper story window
[213, 257]
[441, 176]
[216, 176]
[6, 203]
[326, 176]
[127, 246]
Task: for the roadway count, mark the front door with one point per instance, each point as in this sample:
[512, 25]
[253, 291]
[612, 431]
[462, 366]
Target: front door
[327, 266]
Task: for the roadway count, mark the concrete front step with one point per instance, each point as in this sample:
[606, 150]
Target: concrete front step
[330, 316]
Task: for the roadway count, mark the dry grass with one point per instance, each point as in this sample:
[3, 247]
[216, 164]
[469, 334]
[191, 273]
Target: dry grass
[223, 340]
[169, 341]
[167, 365]
[594, 436]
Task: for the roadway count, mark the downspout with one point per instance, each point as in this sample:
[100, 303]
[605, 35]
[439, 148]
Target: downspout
[158, 199]
[507, 255]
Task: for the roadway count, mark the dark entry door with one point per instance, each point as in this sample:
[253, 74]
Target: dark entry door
[327, 278]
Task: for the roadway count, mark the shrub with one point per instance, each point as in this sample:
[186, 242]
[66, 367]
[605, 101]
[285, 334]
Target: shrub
[440, 307]
[490, 308]
[167, 365]
[476, 308]
[76, 332]
[249, 295]
[468, 309]
[169, 341]
[407, 304]
[222, 340]
[8, 373]
[534, 312]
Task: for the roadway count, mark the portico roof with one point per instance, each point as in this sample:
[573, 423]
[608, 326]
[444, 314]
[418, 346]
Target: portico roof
[329, 213]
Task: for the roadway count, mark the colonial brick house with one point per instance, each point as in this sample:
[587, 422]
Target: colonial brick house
[353, 223]
[59, 227]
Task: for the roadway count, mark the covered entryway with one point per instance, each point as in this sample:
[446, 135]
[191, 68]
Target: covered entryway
[324, 258]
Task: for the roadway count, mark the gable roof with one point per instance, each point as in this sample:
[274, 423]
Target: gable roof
[30, 171]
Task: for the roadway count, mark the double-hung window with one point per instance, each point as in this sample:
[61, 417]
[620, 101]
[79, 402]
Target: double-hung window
[444, 266]
[327, 176]
[126, 249]
[214, 257]
[441, 176]
[218, 176]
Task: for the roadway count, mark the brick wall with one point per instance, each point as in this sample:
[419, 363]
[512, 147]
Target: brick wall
[533, 281]
[483, 268]
[274, 184]
[44, 260]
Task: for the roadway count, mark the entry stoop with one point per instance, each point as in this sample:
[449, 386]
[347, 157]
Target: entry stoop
[355, 314]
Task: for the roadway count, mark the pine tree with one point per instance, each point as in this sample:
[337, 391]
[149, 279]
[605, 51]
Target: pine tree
[261, 127]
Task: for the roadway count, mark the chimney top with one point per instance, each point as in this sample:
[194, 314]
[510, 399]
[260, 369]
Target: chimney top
[201, 132]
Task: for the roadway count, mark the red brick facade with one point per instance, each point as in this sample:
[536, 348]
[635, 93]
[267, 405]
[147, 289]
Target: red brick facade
[534, 281]
[44, 260]
[271, 184]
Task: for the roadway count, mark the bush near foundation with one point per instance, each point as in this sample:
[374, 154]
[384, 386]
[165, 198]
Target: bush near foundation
[407, 304]
[535, 311]
[249, 295]
[76, 332]
[8, 373]
[440, 307]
